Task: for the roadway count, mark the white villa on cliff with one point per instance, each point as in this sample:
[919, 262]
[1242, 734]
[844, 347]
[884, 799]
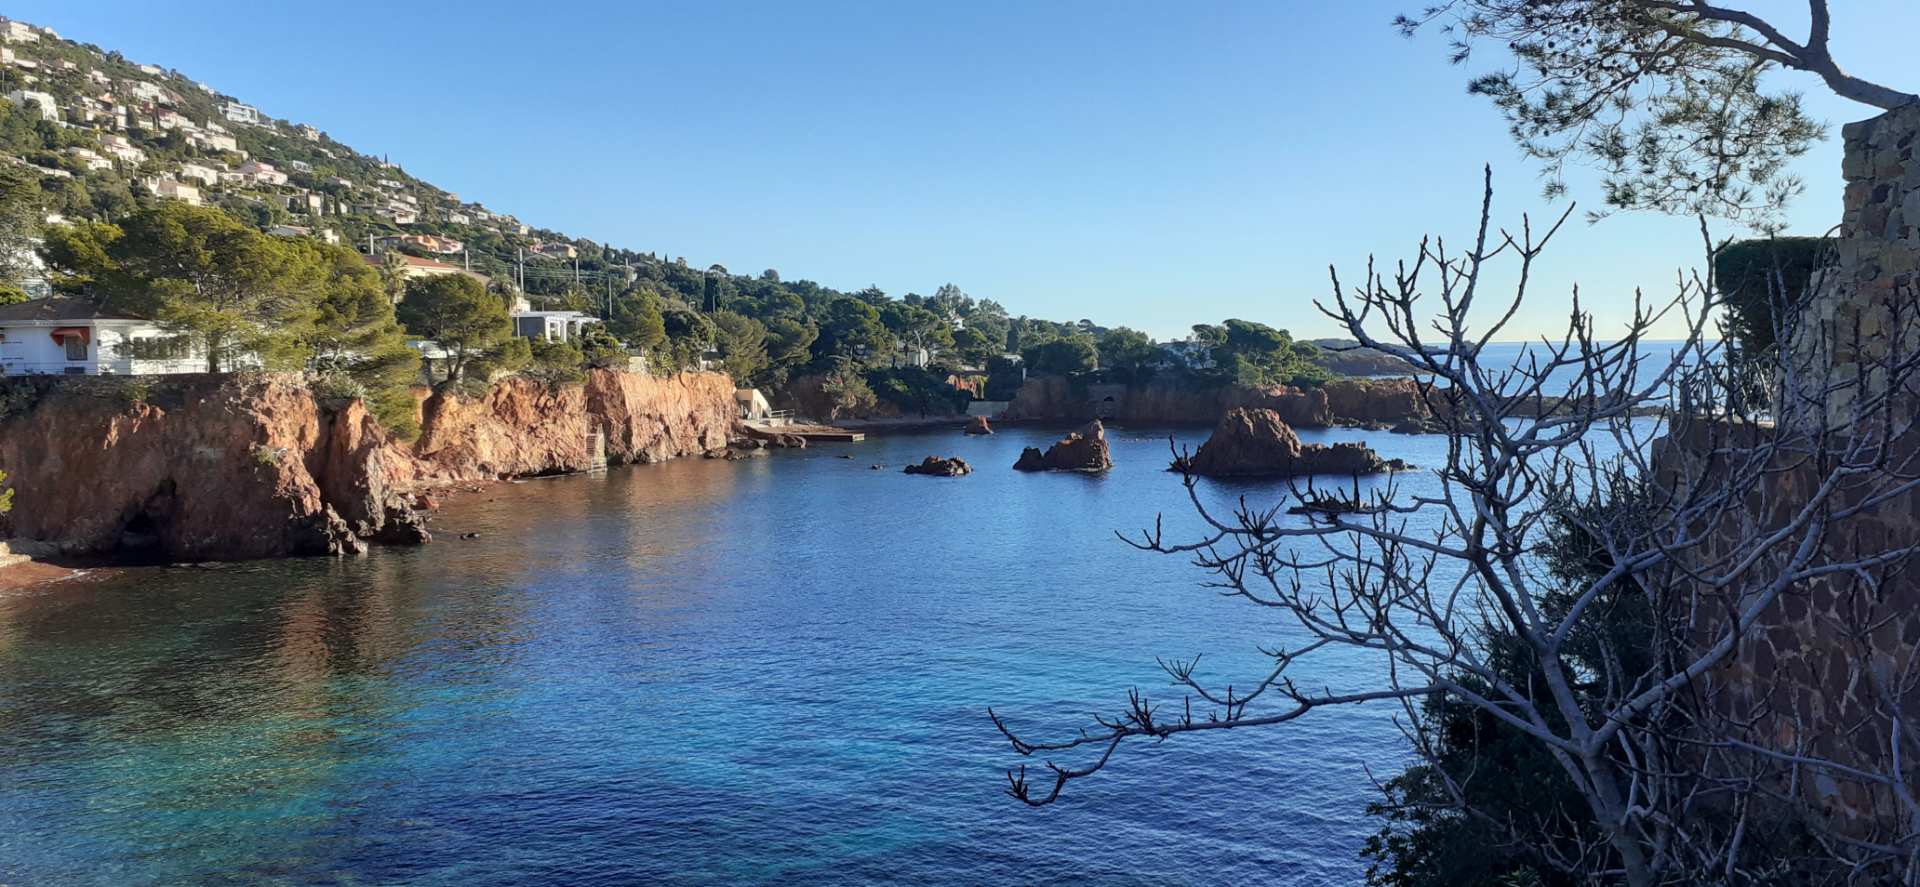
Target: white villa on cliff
[73, 335]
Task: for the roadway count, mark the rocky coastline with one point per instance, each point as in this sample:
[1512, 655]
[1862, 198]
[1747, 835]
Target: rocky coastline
[243, 466]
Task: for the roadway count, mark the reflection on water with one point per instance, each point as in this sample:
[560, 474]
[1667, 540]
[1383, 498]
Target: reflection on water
[697, 672]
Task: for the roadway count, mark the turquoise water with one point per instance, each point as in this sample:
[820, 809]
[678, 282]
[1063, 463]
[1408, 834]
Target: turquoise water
[702, 672]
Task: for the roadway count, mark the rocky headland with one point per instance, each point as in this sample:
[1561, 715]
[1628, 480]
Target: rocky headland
[230, 467]
[1197, 401]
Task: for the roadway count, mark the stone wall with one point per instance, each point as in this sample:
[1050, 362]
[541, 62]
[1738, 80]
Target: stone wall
[1827, 661]
[1864, 304]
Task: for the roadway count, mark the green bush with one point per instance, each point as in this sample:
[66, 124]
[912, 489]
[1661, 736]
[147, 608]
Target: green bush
[555, 363]
[916, 390]
[1756, 276]
[847, 392]
[1063, 357]
[17, 397]
[336, 389]
[1004, 378]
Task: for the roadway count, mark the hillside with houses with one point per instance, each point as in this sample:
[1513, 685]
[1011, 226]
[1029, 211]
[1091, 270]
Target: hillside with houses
[105, 138]
[105, 132]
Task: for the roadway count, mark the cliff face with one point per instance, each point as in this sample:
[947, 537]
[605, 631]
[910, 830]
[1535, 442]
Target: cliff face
[234, 467]
[523, 428]
[1339, 401]
[1376, 401]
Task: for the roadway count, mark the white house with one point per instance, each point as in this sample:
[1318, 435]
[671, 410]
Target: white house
[152, 70]
[307, 132]
[49, 109]
[205, 175]
[174, 190]
[122, 150]
[148, 92]
[262, 173]
[1187, 353]
[18, 32]
[78, 336]
[214, 141]
[240, 113]
[90, 158]
[552, 326]
[325, 235]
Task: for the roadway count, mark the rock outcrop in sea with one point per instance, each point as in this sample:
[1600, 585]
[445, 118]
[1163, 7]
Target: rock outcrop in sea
[1256, 443]
[935, 466]
[230, 467]
[1083, 450]
[979, 425]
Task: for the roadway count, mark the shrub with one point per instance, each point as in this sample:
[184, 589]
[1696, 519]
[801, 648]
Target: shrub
[1004, 377]
[912, 389]
[555, 363]
[1756, 276]
[1063, 357]
[847, 392]
[17, 397]
[336, 390]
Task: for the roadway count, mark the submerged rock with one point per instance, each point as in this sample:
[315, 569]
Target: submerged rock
[1083, 450]
[1255, 443]
[938, 467]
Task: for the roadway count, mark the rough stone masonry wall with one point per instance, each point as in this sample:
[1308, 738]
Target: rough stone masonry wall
[1866, 302]
[1809, 678]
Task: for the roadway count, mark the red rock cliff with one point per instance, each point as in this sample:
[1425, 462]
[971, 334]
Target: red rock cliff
[232, 467]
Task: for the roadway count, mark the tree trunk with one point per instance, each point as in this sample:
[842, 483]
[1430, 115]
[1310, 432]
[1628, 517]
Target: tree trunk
[213, 354]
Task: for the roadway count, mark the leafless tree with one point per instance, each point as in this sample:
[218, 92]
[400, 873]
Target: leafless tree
[1667, 96]
[1713, 514]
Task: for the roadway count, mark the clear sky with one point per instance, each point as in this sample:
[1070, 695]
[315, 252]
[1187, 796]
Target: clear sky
[1153, 165]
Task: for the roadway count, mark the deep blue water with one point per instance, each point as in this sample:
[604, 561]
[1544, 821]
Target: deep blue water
[702, 672]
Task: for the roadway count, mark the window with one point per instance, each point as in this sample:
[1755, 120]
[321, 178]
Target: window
[76, 348]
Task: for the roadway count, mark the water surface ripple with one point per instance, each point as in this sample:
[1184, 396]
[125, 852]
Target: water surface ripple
[701, 672]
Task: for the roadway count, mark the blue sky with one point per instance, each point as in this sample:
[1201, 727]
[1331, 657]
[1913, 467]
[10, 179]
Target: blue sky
[1153, 165]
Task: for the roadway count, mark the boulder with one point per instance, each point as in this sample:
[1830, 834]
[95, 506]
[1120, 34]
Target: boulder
[978, 425]
[1256, 443]
[1083, 450]
[938, 467]
[403, 526]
